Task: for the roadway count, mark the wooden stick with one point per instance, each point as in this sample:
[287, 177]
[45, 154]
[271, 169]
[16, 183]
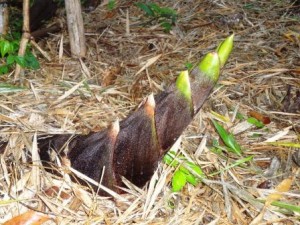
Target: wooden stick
[25, 38]
[75, 28]
[37, 34]
[3, 17]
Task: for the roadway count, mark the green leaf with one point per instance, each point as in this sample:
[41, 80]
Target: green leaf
[178, 180]
[170, 160]
[145, 8]
[216, 150]
[225, 49]
[5, 47]
[190, 177]
[240, 116]
[7, 88]
[167, 26]
[188, 65]
[15, 45]
[4, 69]
[166, 13]
[10, 59]
[184, 170]
[31, 61]
[228, 139]
[111, 4]
[155, 8]
[210, 66]
[20, 60]
[17, 34]
[196, 169]
[284, 205]
[255, 122]
[256, 135]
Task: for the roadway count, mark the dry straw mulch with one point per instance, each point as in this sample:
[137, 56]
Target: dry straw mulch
[121, 68]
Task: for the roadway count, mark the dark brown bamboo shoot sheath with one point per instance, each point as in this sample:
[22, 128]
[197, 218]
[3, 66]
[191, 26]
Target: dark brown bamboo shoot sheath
[133, 147]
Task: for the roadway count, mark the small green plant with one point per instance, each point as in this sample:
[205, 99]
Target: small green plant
[111, 5]
[228, 139]
[255, 122]
[9, 57]
[189, 66]
[165, 16]
[186, 172]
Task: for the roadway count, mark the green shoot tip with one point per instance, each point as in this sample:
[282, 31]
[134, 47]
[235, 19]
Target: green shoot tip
[183, 85]
[224, 49]
[210, 66]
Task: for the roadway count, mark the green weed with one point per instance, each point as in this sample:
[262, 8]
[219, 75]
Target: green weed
[165, 16]
[9, 57]
[228, 139]
[186, 171]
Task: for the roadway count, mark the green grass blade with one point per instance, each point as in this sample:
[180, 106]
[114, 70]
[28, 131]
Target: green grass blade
[284, 205]
[7, 88]
[284, 144]
[234, 164]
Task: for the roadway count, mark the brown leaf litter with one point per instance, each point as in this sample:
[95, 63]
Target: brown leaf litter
[121, 68]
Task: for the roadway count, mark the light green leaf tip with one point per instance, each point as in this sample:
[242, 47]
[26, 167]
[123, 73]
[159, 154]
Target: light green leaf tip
[183, 85]
[178, 180]
[224, 49]
[210, 66]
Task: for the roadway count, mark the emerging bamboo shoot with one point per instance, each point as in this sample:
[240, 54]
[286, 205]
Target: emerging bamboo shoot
[133, 147]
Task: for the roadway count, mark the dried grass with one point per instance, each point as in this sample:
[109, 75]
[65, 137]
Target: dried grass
[71, 96]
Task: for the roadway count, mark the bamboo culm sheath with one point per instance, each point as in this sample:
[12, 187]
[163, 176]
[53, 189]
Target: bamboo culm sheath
[134, 146]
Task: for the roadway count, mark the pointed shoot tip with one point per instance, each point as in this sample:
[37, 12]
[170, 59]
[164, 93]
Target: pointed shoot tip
[224, 49]
[150, 105]
[210, 66]
[183, 85]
